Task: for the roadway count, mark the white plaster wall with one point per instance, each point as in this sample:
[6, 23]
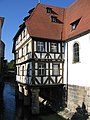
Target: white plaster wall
[78, 73]
[20, 42]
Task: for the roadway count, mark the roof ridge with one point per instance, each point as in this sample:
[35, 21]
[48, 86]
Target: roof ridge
[52, 6]
[73, 3]
[32, 12]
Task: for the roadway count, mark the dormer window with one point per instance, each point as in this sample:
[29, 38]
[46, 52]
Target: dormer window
[49, 10]
[53, 19]
[74, 24]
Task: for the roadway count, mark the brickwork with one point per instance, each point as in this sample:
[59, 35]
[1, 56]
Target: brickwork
[77, 95]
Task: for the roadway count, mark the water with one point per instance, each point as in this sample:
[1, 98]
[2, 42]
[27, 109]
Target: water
[10, 109]
[7, 103]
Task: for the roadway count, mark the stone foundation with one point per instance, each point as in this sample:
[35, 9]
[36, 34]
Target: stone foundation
[35, 101]
[76, 96]
[26, 96]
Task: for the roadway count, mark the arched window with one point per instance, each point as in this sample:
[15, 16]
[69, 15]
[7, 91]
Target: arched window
[76, 53]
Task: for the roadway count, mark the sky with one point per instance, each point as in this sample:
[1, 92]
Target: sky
[14, 12]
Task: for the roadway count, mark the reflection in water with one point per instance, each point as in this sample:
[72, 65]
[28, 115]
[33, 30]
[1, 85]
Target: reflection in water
[11, 109]
[9, 102]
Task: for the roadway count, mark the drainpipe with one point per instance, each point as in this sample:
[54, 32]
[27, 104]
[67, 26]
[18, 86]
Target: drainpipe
[67, 71]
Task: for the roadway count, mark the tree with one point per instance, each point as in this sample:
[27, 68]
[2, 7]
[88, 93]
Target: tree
[11, 64]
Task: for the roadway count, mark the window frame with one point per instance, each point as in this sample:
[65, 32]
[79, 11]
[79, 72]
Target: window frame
[17, 55]
[20, 37]
[53, 49]
[53, 19]
[22, 70]
[41, 69]
[27, 48]
[18, 70]
[49, 10]
[54, 69]
[40, 46]
[75, 24]
[76, 52]
[22, 51]
[24, 33]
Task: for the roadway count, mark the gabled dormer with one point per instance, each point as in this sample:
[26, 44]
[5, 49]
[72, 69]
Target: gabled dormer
[49, 10]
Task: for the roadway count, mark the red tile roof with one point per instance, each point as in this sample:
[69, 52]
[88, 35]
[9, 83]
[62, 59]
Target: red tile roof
[80, 9]
[39, 23]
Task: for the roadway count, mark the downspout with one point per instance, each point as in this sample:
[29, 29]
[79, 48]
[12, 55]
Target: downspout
[67, 72]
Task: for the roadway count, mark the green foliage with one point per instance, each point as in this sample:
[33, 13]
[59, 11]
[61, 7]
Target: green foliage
[11, 64]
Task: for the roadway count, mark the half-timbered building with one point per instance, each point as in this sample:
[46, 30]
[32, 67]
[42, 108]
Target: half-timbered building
[39, 51]
[51, 49]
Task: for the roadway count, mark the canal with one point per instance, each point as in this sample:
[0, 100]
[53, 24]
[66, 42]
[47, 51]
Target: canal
[11, 109]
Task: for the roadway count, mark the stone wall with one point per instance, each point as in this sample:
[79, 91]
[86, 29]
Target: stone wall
[77, 95]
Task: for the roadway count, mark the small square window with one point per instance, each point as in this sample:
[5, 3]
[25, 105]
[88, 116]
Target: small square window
[49, 10]
[40, 46]
[53, 47]
[53, 19]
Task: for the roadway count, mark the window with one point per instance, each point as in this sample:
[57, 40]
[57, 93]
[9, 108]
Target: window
[40, 46]
[28, 70]
[18, 71]
[22, 70]
[76, 53]
[41, 69]
[27, 48]
[23, 33]
[53, 19]
[49, 10]
[53, 47]
[17, 55]
[74, 24]
[20, 36]
[56, 69]
[22, 52]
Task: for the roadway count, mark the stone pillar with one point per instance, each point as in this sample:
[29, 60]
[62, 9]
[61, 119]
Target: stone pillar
[26, 95]
[35, 101]
[20, 92]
